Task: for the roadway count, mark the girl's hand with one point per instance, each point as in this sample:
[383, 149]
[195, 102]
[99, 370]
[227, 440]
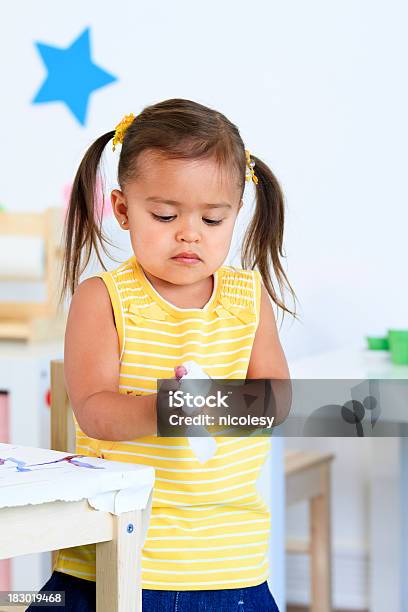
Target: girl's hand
[180, 371]
[163, 395]
[164, 410]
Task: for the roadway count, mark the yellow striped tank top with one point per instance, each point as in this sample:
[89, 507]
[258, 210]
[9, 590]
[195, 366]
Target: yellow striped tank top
[209, 526]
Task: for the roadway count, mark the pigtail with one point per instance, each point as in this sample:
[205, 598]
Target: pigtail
[83, 226]
[263, 240]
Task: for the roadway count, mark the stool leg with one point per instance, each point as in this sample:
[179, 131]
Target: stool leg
[118, 566]
[320, 546]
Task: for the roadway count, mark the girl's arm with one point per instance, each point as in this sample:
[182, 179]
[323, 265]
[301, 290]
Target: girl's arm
[91, 367]
[268, 359]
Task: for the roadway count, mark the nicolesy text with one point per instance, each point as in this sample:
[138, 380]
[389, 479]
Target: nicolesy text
[206, 420]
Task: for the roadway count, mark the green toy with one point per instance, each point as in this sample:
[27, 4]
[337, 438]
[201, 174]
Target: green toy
[398, 341]
[376, 343]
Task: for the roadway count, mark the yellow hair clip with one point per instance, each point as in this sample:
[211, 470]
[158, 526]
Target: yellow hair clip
[121, 128]
[250, 174]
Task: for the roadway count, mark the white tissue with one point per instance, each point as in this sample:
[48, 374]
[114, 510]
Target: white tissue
[194, 372]
[204, 446]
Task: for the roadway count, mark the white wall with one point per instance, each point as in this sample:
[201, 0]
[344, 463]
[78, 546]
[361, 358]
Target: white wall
[318, 90]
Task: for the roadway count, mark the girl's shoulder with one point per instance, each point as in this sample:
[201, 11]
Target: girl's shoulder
[124, 270]
[245, 280]
[245, 273]
[122, 282]
[240, 292]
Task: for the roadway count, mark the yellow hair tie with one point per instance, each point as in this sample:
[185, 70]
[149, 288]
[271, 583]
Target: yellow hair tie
[250, 174]
[121, 128]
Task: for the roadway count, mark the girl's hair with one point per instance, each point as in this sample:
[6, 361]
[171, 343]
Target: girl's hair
[178, 129]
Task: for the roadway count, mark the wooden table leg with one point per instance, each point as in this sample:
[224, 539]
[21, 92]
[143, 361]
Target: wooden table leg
[118, 566]
[320, 546]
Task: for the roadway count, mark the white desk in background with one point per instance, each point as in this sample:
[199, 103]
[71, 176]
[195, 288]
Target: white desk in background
[25, 376]
[388, 585]
[58, 505]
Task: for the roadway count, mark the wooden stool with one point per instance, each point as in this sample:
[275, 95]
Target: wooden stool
[62, 423]
[308, 478]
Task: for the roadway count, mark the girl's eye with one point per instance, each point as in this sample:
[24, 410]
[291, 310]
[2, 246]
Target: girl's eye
[169, 218]
[162, 218]
[212, 221]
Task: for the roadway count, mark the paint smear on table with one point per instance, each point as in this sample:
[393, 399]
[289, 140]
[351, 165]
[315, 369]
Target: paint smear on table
[24, 466]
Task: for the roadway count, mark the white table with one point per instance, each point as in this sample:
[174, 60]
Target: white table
[388, 501]
[58, 505]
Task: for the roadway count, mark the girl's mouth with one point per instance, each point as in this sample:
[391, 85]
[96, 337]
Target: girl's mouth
[187, 257]
[186, 260]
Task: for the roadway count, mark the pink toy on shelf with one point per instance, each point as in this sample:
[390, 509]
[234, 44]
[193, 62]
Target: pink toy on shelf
[5, 564]
[5, 575]
[4, 417]
[102, 202]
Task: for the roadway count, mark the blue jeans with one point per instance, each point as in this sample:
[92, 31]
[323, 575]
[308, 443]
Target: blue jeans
[80, 596]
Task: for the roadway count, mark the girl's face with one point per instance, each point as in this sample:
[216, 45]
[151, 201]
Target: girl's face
[177, 206]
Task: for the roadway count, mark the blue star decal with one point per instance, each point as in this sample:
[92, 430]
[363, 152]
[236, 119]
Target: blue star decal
[72, 76]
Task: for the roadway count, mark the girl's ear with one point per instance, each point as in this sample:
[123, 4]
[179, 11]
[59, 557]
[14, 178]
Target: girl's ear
[119, 207]
[118, 201]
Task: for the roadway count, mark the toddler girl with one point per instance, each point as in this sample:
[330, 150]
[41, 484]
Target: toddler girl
[182, 173]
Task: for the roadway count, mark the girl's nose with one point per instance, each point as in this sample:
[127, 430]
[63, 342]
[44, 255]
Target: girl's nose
[188, 233]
